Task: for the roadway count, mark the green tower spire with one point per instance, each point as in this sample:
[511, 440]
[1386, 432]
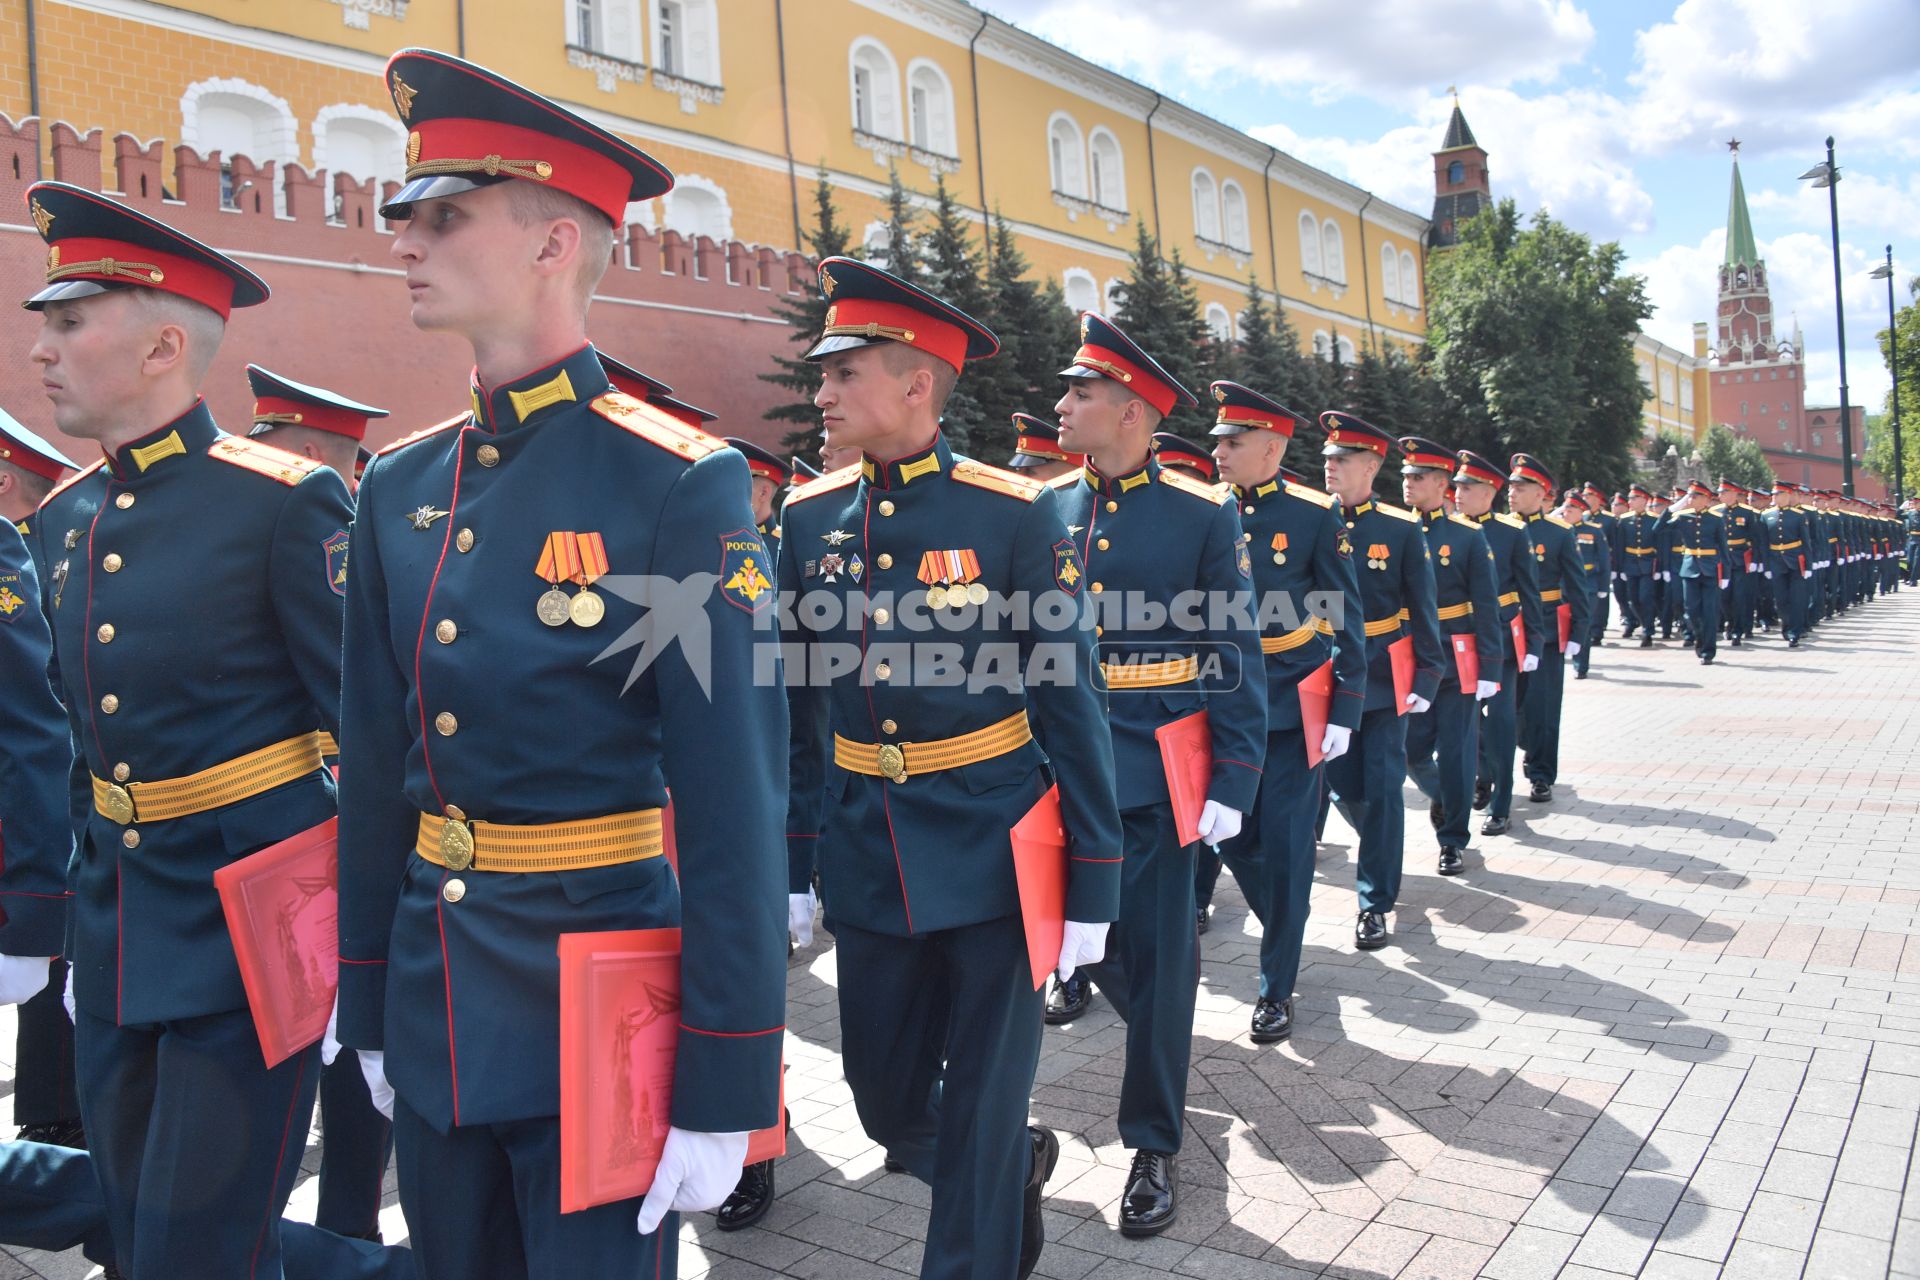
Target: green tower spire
[1740, 246]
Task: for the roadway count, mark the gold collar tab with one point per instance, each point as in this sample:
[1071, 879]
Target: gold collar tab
[165, 447]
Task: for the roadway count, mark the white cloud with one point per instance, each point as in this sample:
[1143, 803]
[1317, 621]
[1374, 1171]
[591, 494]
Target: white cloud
[1867, 203]
[1389, 50]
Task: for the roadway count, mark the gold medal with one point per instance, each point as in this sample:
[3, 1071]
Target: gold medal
[1279, 557]
[976, 593]
[552, 608]
[587, 608]
[936, 597]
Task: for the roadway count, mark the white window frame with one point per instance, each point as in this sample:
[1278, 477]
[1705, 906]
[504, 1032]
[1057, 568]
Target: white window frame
[1309, 243]
[696, 42]
[1108, 190]
[376, 121]
[1389, 271]
[619, 28]
[1206, 205]
[884, 81]
[1322, 343]
[275, 127]
[1333, 252]
[1067, 156]
[1240, 238]
[1111, 296]
[941, 137]
[1409, 279]
[1219, 322]
[1079, 276]
[1347, 351]
[685, 182]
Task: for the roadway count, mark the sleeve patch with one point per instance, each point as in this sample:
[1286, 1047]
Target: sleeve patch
[11, 601]
[745, 582]
[336, 552]
[1067, 574]
[1242, 559]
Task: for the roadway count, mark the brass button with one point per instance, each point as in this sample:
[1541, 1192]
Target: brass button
[446, 631]
[454, 890]
[105, 633]
[1099, 631]
[888, 726]
[884, 560]
[110, 704]
[455, 813]
[881, 617]
[886, 507]
[446, 724]
[463, 541]
[112, 562]
[124, 501]
[121, 773]
[1098, 588]
[1112, 505]
[1249, 508]
[1102, 544]
[884, 670]
[130, 838]
[487, 456]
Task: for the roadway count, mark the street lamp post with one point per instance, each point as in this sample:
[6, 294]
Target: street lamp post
[1885, 272]
[1828, 175]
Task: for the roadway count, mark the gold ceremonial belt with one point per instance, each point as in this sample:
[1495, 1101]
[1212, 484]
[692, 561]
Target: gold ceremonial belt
[328, 747]
[897, 761]
[1642, 551]
[1385, 626]
[1703, 551]
[1150, 675]
[1448, 612]
[1512, 597]
[1294, 638]
[1550, 597]
[1736, 542]
[240, 778]
[548, 846]
[1786, 546]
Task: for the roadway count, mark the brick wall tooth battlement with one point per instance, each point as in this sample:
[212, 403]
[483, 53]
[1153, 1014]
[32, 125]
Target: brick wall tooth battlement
[289, 211]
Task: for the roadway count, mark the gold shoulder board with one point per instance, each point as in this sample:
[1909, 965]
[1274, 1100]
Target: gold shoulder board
[982, 476]
[276, 464]
[656, 426]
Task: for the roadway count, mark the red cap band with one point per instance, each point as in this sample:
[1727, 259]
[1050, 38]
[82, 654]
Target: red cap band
[1243, 415]
[1357, 440]
[117, 262]
[1130, 375]
[492, 149]
[870, 318]
[1418, 458]
[1474, 471]
[304, 413]
[1524, 472]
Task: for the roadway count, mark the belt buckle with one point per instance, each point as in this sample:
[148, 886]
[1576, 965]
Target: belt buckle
[116, 802]
[893, 763]
[456, 845]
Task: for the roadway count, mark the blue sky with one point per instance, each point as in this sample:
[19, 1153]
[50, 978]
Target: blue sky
[1613, 114]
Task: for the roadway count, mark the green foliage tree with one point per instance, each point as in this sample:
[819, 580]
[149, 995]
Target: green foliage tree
[806, 313]
[1666, 451]
[951, 269]
[898, 248]
[1879, 452]
[1038, 335]
[1531, 330]
[1160, 310]
[1727, 455]
[1269, 360]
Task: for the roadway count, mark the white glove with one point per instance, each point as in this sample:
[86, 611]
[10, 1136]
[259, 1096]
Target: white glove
[373, 1069]
[697, 1171]
[800, 917]
[1530, 663]
[1417, 705]
[330, 1040]
[22, 977]
[1081, 944]
[1334, 743]
[1484, 689]
[1573, 648]
[1217, 823]
[66, 996]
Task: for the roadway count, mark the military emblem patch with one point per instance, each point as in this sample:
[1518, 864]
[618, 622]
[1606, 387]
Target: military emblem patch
[744, 562]
[336, 549]
[1067, 573]
[11, 601]
[1242, 559]
[1345, 546]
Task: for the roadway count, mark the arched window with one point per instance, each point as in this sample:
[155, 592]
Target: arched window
[1409, 279]
[1082, 293]
[1219, 322]
[698, 206]
[1109, 170]
[1206, 206]
[686, 39]
[874, 83]
[1389, 272]
[605, 26]
[1346, 349]
[1333, 252]
[238, 118]
[1456, 173]
[876, 243]
[1066, 155]
[930, 107]
[1116, 293]
[1322, 344]
[1309, 243]
[359, 142]
[1233, 215]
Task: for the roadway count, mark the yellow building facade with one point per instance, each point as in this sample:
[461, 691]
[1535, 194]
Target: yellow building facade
[1676, 383]
[747, 100]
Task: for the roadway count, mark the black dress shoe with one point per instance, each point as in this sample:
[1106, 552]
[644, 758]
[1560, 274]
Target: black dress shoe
[1434, 815]
[1370, 931]
[1735, 642]
[1203, 918]
[1482, 794]
[1540, 792]
[1153, 1194]
[752, 1197]
[1272, 1021]
[1706, 659]
[1069, 999]
[1579, 675]
[1033, 1224]
[1451, 863]
[892, 1166]
[1646, 642]
[1496, 826]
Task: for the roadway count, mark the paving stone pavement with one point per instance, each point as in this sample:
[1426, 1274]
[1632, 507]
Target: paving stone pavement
[1666, 1028]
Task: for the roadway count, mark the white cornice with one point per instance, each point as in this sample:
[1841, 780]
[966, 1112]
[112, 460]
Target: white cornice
[194, 24]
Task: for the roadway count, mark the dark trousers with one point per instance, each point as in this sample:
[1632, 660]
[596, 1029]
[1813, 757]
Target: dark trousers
[1152, 976]
[1272, 858]
[43, 1076]
[1602, 616]
[1913, 562]
[1703, 608]
[1642, 590]
[196, 1143]
[1790, 603]
[50, 1199]
[483, 1203]
[940, 1038]
[1739, 601]
[1623, 589]
[353, 1157]
[1541, 691]
[1369, 779]
[1499, 736]
[1443, 748]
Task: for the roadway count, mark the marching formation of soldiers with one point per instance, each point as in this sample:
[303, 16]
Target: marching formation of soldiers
[435, 622]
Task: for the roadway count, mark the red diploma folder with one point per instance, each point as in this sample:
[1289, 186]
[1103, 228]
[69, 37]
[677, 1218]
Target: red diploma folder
[1316, 702]
[1519, 630]
[1040, 869]
[1400, 652]
[619, 1030]
[1466, 660]
[1186, 752]
[1565, 612]
[283, 910]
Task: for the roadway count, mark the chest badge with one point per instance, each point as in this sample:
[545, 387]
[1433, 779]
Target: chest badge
[571, 557]
[1279, 548]
[1445, 553]
[1377, 554]
[59, 576]
[828, 567]
[421, 518]
[836, 537]
[952, 578]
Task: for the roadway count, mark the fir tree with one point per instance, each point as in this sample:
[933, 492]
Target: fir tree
[1269, 360]
[900, 255]
[807, 314]
[1160, 311]
[1038, 335]
[951, 269]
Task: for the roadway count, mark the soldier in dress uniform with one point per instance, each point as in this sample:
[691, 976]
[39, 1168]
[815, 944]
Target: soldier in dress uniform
[770, 476]
[1396, 596]
[1563, 590]
[940, 1017]
[502, 786]
[44, 1105]
[1148, 534]
[1789, 560]
[1184, 456]
[1590, 537]
[1443, 746]
[1037, 454]
[1300, 554]
[1477, 483]
[1910, 529]
[1598, 516]
[1746, 552]
[198, 716]
[1700, 539]
[1639, 563]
